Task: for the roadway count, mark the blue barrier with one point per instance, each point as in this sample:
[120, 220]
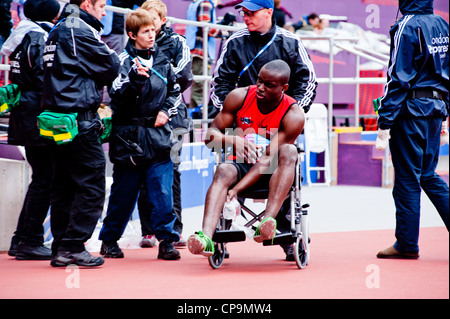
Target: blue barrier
[197, 170]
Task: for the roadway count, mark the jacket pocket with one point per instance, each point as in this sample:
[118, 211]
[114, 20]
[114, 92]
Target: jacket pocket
[127, 144]
[86, 146]
[159, 142]
[182, 120]
[138, 145]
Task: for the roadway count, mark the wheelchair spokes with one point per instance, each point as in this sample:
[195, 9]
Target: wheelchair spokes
[300, 252]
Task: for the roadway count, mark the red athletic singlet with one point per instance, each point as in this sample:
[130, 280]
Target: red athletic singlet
[250, 119]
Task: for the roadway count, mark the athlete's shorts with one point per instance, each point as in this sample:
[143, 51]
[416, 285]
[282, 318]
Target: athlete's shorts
[244, 168]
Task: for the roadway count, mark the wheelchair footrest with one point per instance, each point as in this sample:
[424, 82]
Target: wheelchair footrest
[281, 239]
[228, 236]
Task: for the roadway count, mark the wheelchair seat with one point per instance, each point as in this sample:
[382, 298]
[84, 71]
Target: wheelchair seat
[255, 193]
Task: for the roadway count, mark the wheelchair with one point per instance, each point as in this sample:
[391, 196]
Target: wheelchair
[296, 235]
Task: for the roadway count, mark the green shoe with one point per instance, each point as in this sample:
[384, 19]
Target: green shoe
[266, 230]
[199, 243]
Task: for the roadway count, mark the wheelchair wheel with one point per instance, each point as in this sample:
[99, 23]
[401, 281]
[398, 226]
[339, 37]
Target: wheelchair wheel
[216, 260]
[305, 235]
[300, 252]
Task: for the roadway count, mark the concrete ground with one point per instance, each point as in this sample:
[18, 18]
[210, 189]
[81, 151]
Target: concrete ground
[339, 209]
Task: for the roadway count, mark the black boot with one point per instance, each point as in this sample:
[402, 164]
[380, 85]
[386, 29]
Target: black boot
[66, 258]
[28, 252]
[111, 250]
[167, 251]
[13, 247]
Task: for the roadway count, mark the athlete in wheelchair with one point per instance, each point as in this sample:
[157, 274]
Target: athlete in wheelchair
[270, 172]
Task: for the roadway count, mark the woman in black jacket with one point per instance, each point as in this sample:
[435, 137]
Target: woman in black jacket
[143, 98]
[25, 47]
[175, 48]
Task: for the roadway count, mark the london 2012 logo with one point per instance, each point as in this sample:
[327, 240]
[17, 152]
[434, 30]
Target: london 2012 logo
[439, 45]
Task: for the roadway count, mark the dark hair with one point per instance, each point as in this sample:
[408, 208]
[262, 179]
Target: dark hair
[280, 67]
[41, 10]
[312, 16]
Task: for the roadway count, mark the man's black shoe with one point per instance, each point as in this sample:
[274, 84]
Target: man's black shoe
[66, 258]
[111, 250]
[28, 252]
[13, 247]
[167, 251]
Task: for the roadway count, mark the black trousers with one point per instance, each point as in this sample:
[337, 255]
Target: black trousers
[78, 189]
[35, 207]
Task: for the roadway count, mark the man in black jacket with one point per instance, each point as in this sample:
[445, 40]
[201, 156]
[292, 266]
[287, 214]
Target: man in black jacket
[263, 42]
[25, 48]
[76, 64]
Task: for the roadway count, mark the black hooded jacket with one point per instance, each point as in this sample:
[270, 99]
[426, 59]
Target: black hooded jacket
[136, 101]
[134, 96]
[77, 64]
[27, 72]
[243, 46]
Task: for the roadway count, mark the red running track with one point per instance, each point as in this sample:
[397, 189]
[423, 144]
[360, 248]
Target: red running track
[343, 265]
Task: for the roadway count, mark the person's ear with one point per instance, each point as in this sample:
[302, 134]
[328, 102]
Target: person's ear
[85, 5]
[132, 36]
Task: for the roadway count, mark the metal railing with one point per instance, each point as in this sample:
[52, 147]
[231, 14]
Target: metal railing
[359, 53]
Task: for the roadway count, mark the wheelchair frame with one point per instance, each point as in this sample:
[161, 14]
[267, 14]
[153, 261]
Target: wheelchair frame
[299, 224]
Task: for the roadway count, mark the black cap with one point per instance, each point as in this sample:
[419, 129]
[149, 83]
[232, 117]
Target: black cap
[41, 10]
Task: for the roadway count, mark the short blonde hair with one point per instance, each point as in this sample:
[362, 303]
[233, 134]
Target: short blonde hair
[158, 5]
[137, 19]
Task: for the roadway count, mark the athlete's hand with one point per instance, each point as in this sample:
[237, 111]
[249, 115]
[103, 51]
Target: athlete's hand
[246, 150]
[232, 193]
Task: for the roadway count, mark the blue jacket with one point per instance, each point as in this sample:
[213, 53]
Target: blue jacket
[419, 60]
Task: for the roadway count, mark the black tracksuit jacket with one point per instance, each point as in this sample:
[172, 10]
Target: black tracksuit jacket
[77, 64]
[242, 47]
